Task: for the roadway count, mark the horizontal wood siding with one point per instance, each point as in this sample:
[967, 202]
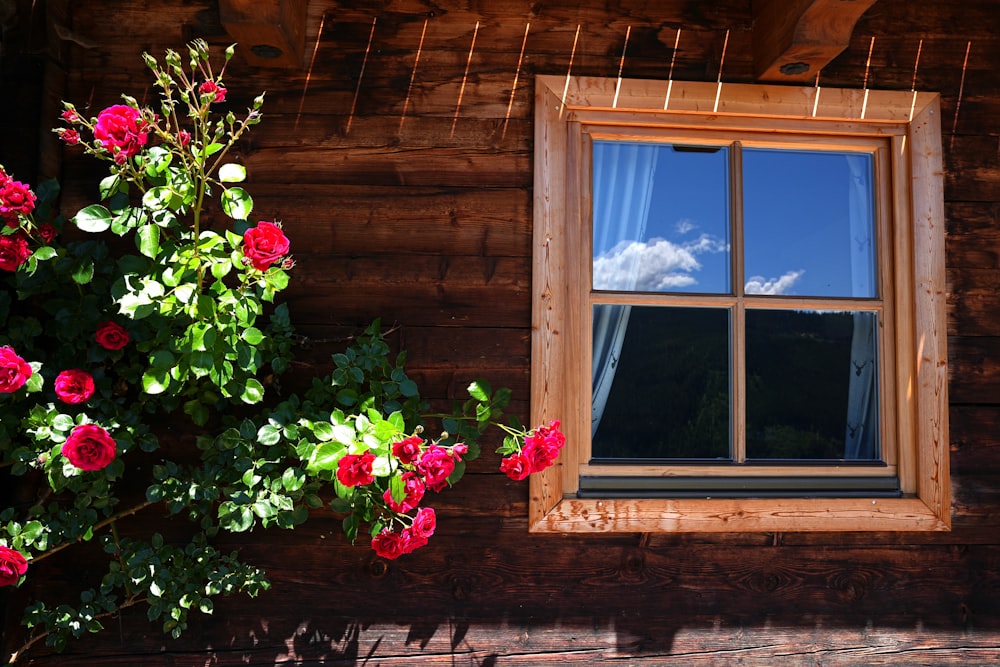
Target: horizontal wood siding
[403, 204]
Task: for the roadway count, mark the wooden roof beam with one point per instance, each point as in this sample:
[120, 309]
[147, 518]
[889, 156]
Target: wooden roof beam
[795, 39]
[270, 33]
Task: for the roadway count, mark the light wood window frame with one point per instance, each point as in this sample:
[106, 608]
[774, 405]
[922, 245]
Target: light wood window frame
[902, 129]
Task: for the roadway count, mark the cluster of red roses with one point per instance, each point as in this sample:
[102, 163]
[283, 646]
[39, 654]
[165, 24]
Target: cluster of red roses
[88, 446]
[17, 202]
[425, 466]
[540, 449]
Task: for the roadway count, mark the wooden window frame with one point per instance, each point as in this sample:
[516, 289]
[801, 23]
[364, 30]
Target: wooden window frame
[568, 110]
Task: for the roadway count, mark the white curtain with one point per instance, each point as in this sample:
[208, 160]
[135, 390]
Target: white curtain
[862, 417]
[622, 191]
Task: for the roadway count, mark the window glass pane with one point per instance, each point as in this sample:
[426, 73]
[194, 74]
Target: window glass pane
[808, 223]
[661, 382]
[811, 385]
[660, 218]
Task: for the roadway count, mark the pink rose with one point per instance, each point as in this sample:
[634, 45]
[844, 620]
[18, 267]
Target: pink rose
[413, 487]
[122, 131]
[74, 386]
[111, 336]
[407, 450]
[264, 244]
[356, 470]
[435, 465]
[14, 371]
[209, 88]
[16, 199]
[89, 447]
[14, 251]
[388, 544]
[12, 566]
[424, 522]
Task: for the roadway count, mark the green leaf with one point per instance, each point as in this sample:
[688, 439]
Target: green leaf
[148, 240]
[83, 273]
[480, 390]
[111, 185]
[94, 218]
[326, 456]
[155, 381]
[268, 435]
[253, 335]
[253, 392]
[232, 173]
[237, 203]
[158, 198]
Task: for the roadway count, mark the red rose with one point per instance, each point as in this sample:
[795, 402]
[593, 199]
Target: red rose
[121, 130]
[264, 244]
[356, 470]
[111, 336]
[413, 487]
[14, 371]
[74, 386]
[14, 251]
[411, 541]
[70, 136]
[407, 450]
[388, 544]
[69, 115]
[210, 87]
[89, 447]
[12, 566]
[515, 467]
[183, 137]
[47, 232]
[16, 199]
[435, 465]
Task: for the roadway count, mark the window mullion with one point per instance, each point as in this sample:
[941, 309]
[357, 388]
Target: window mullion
[737, 360]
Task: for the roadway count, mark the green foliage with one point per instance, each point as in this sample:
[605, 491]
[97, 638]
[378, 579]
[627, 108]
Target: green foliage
[183, 326]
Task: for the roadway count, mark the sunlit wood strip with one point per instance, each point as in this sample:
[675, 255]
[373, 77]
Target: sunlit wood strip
[465, 79]
[361, 76]
[413, 75]
[670, 74]
[621, 68]
[816, 98]
[312, 63]
[913, 83]
[517, 74]
[569, 70]
[722, 61]
[961, 91]
[868, 64]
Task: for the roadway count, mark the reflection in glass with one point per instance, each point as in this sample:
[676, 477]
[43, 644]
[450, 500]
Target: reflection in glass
[670, 390]
[808, 223]
[660, 218]
[811, 385]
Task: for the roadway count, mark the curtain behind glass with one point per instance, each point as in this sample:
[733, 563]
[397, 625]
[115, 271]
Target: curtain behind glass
[623, 188]
[862, 419]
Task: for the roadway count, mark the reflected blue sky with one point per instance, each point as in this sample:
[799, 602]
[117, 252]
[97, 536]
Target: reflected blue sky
[808, 222]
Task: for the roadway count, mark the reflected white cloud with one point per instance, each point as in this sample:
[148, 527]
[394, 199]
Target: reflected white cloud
[685, 225]
[656, 265]
[772, 286]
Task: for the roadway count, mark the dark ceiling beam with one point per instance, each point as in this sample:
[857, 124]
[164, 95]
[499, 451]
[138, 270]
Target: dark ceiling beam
[795, 39]
[270, 33]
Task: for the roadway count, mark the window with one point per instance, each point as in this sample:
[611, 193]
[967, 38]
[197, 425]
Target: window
[739, 308]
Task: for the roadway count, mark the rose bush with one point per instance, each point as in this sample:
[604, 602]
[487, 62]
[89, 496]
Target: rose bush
[101, 349]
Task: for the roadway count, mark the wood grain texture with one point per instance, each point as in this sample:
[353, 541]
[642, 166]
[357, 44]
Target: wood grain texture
[427, 221]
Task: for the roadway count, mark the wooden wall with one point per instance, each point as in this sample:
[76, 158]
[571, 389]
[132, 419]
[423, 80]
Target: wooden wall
[403, 203]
